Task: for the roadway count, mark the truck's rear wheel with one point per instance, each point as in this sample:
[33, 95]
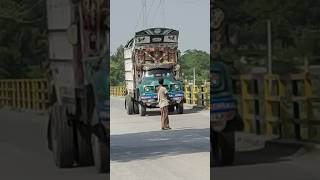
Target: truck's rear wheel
[129, 106]
[223, 148]
[136, 107]
[180, 108]
[49, 131]
[101, 155]
[62, 138]
[143, 110]
[171, 108]
[85, 157]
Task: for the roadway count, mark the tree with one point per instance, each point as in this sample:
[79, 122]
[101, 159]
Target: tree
[190, 59]
[117, 71]
[23, 38]
[197, 59]
[293, 26]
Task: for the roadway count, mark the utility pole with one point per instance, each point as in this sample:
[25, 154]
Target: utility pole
[144, 13]
[269, 55]
[194, 76]
[163, 13]
[269, 48]
[306, 61]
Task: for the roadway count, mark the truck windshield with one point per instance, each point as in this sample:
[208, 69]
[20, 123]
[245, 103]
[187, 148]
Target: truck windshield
[158, 73]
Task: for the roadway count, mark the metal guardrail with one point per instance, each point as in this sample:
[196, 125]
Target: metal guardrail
[281, 105]
[24, 93]
[117, 90]
[198, 95]
[32, 94]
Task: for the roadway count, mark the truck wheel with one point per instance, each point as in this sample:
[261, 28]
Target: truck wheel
[211, 155]
[101, 155]
[49, 129]
[180, 108]
[62, 138]
[136, 107]
[171, 108]
[224, 148]
[143, 110]
[85, 157]
[129, 106]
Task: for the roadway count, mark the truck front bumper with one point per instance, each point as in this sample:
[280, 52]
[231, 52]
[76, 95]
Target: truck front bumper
[152, 100]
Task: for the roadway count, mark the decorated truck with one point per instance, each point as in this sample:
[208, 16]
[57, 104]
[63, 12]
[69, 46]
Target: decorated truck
[78, 128]
[224, 116]
[150, 55]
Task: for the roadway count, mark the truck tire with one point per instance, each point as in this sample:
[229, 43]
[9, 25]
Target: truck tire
[180, 108]
[171, 108]
[224, 148]
[211, 156]
[136, 107]
[143, 110]
[49, 131]
[62, 138]
[101, 155]
[129, 106]
[85, 157]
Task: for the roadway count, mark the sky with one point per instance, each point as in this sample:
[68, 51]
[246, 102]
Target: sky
[190, 17]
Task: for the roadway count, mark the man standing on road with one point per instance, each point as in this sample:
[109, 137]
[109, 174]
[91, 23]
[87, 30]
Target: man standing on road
[163, 104]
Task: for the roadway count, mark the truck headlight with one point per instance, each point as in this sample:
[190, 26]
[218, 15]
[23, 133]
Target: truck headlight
[146, 89]
[176, 87]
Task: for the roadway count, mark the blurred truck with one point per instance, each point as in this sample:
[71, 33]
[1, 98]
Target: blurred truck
[152, 54]
[78, 128]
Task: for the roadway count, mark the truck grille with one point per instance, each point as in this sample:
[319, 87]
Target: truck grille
[166, 86]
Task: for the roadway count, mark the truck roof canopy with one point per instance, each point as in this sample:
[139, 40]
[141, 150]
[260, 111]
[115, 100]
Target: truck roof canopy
[157, 31]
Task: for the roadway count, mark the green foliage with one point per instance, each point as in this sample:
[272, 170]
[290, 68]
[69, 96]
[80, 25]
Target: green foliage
[197, 59]
[117, 68]
[190, 59]
[23, 38]
[295, 30]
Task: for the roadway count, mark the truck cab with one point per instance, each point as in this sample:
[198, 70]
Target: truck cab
[149, 85]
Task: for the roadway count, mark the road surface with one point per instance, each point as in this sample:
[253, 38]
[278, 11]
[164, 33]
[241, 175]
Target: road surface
[254, 161]
[141, 151]
[24, 154]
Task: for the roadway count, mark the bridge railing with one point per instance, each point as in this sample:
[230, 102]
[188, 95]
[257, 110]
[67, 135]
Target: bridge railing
[24, 93]
[281, 105]
[199, 95]
[32, 94]
[117, 90]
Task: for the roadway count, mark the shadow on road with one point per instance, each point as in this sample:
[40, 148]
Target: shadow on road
[270, 154]
[156, 112]
[265, 155]
[156, 144]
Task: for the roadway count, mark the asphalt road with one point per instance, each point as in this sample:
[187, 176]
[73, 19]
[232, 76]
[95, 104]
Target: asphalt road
[24, 154]
[255, 161]
[141, 151]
